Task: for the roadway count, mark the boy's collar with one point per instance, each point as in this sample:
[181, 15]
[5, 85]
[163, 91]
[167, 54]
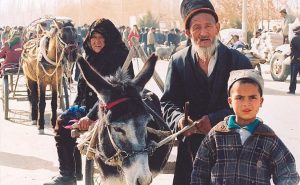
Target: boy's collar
[250, 127]
[261, 129]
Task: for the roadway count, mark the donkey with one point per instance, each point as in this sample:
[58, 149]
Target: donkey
[43, 62]
[123, 141]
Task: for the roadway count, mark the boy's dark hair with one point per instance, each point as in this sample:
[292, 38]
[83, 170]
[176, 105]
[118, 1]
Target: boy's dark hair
[247, 81]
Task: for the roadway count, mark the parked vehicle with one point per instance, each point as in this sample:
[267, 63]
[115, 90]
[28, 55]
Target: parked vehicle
[280, 63]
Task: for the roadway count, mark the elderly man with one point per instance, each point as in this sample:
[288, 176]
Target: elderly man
[198, 74]
[287, 19]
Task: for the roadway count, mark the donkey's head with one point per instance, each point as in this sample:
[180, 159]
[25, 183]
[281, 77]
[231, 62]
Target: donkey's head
[122, 134]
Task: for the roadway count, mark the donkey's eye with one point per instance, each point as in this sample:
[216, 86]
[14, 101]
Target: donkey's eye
[118, 129]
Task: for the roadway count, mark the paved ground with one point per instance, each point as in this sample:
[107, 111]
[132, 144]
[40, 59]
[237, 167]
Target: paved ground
[27, 158]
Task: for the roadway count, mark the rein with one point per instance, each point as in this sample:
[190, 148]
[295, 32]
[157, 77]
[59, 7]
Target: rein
[57, 63]
[110, 105]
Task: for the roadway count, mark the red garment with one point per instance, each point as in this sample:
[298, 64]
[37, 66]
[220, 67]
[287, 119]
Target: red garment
[11, 55]
[133, 34]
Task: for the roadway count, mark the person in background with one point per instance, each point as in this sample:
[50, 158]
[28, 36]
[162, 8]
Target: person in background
[5, 35]
[182, 36]
[287, 19]
[236, 43]
[295, 57]
[144, 39]
[171, 37]
[11, 51]
[198, 74]
[84, 30]
[106, 52]
[79, 40]
[159, 37]
[125, 35]
[151, 40]
[241, 149]
[134, 32]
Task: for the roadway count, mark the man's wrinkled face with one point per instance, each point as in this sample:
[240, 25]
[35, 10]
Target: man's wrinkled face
[203, 30]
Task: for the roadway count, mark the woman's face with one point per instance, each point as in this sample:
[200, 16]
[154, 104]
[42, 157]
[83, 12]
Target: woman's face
[97, 42]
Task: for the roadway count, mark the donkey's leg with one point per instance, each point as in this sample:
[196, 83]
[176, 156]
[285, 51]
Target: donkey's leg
[54, 104]
[32, 91]
[42, 105]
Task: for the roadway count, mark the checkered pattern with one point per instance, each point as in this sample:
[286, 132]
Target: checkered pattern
[222, 159]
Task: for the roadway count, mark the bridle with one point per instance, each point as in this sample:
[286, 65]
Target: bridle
[120, 155]
[67, 48]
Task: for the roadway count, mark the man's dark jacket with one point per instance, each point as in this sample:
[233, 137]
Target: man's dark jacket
[206, 95]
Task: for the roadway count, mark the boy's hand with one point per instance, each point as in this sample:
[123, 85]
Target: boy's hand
[84, 123]
[203, 126]
[182, 123]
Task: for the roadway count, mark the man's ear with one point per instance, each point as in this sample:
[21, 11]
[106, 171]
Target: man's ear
[229, 100]
[188, 33]
[218, 26]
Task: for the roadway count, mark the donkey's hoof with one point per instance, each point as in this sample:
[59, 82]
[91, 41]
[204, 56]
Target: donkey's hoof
[34, 122]
[41, 132]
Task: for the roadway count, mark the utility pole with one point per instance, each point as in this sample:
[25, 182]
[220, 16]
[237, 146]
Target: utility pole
[244, 20]
[262, 14]
[268, 5]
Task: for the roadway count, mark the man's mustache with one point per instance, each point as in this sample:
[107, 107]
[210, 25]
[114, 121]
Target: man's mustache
[204, 38]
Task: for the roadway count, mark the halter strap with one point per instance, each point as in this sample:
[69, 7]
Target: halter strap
[112, 104]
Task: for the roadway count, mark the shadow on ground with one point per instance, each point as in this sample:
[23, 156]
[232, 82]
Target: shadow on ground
[25, 162]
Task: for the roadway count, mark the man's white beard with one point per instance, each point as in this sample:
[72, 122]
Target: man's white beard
[205, 54]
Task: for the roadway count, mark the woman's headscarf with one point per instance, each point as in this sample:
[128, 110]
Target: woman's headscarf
[108, 30]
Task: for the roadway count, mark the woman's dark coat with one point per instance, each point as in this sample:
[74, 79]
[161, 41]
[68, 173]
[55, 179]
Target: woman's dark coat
[110, 58]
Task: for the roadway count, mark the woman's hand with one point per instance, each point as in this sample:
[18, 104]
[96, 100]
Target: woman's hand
[84, 123]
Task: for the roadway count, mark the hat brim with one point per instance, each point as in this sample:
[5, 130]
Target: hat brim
[196, 11]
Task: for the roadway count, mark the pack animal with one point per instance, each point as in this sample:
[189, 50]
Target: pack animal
[44, 61]
[124, 142]
[165, 52]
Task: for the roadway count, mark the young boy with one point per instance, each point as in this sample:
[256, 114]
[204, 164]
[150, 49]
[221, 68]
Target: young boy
[241, 150]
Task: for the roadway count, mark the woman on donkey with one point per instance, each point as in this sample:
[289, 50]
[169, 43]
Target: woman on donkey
[106, 52]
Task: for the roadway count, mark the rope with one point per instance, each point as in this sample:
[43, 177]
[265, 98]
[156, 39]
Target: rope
[56, 68]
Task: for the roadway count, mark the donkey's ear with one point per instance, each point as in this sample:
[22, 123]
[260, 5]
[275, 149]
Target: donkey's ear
[92, 77]
[146, 73]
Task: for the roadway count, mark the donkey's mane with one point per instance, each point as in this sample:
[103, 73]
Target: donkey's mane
[121, 77]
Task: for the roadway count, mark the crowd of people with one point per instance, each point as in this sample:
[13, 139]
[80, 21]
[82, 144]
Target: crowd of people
[228, 144]
[152, 37]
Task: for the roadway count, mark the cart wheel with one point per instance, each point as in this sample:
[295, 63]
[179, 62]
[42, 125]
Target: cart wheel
[5, 96]
[91, 173]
